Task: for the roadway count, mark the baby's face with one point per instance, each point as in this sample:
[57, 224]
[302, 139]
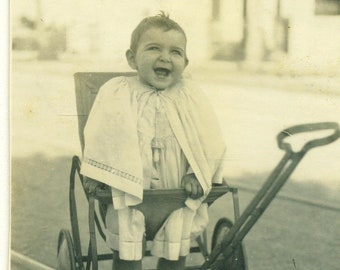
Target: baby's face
[160, 58]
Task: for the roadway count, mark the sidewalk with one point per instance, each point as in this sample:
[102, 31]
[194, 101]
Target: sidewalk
[267, 76]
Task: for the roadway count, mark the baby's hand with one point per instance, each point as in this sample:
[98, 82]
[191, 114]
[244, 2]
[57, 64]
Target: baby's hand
[191, 186]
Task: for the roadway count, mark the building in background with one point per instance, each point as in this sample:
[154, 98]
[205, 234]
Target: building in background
[303, 35]
[314, 34]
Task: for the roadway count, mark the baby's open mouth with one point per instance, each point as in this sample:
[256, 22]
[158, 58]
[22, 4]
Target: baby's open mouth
[162, 71]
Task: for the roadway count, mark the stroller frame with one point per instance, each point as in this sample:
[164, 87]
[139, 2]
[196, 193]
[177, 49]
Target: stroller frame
[104, 197]
[227, 250]
[87, 85]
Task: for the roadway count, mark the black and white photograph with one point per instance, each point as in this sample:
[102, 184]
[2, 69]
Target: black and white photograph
[153, 134]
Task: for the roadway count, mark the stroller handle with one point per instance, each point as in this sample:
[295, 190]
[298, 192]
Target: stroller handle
[308, 128]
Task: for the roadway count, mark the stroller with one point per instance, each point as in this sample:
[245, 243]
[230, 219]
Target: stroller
[225, 251]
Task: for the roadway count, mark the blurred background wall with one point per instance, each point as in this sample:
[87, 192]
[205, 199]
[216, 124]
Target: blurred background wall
[297, 35]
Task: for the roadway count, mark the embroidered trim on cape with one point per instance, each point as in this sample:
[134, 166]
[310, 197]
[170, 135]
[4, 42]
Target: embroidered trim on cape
[112, 170]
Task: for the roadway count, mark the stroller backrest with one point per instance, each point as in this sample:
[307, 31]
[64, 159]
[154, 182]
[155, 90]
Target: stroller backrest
[87, 85]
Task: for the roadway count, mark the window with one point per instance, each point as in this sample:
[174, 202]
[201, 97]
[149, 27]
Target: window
[327, 7]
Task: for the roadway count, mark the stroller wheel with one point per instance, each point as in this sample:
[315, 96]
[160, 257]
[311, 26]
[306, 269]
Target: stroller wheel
[65, 256]
[238, 260]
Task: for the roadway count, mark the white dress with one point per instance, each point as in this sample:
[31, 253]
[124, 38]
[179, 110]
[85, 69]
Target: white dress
[111, 156]
[164, 163]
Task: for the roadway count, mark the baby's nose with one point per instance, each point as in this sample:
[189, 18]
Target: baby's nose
[164, 56]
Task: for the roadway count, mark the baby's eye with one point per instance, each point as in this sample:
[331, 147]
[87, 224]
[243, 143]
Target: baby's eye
[177, 52]
[153, 48]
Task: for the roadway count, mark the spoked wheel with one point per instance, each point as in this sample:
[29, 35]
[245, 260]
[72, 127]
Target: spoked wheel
[238, 260]
[65, 255]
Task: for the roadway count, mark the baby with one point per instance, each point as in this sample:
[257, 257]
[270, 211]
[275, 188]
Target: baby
[155, 130]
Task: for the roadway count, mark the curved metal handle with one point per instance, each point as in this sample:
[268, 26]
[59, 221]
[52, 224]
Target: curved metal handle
[308, 128]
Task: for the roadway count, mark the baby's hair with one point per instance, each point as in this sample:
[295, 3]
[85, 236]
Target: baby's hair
[161, 21]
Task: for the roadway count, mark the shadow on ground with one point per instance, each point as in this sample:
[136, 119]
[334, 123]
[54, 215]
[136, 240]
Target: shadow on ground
[288, 232]
[39, 192]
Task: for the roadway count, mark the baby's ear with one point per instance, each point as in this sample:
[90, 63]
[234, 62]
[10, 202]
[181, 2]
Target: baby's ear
[130, 57]
[186, 61]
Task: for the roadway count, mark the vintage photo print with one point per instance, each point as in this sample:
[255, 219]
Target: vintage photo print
[146, 110]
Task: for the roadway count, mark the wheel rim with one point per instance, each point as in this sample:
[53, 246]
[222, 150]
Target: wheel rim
[237, 261]
[65, 255]
[222, 228]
